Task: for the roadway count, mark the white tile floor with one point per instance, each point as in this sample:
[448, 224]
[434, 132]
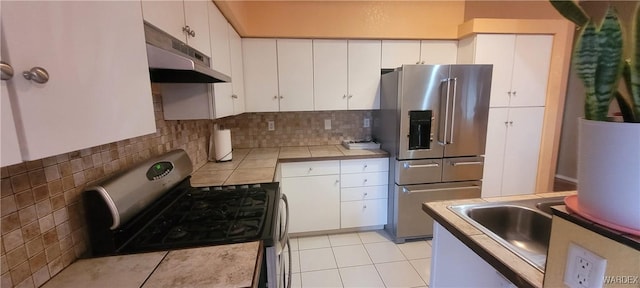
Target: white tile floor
[363, 259]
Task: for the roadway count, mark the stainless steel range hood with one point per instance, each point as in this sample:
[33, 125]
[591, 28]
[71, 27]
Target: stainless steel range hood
[172, 61]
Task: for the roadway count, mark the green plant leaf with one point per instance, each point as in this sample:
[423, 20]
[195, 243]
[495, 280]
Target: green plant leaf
[609, 68]
[634, 66]
[626, 107]
[571, 11]
[585, 60]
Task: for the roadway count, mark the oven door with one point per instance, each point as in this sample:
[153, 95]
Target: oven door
[279, 255]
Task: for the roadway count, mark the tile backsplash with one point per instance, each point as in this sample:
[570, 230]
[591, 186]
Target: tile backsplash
[250, 130]
[42, 218]
[42, 224]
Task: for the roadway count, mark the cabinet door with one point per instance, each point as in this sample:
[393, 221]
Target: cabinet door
[219, 34]
[10, 147]
[364, 179]
[396, 53]
[237, 74]
[364, 74]
[295, 74]
[223, 101]
[364, 165]
[494, 152]
[497, 50]
[197, 18]
[438, 51]
[531, 62]
[314, 202]
[363, 213]
[260, 75]
[330, 74]
[99, 89]
[522, 150]
[166, 15]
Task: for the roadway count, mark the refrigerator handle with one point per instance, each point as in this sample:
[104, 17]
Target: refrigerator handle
[442, 129]
[453, 109]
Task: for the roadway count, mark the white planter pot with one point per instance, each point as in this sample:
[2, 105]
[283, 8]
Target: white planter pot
[609, 171]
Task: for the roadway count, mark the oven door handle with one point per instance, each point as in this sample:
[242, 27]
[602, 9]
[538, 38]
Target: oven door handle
[285, 237]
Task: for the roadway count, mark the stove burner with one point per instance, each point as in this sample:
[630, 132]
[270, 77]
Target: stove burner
[200, 205]
[176, 233]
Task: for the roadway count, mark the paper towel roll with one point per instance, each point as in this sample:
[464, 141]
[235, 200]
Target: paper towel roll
[222, 141]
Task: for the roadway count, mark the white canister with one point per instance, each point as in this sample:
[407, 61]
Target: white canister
[222, 145]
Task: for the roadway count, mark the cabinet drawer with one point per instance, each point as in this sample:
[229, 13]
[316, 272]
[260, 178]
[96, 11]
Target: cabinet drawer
[364, 165]
[364, 193]
[364, 179]
[311, 168]
[363, 213]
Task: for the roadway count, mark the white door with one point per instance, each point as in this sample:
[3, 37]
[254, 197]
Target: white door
[223, 101]
[99, 89]
[197, 18]
[237, 73]
[10, 147]
[522, 150]
[295, 74]
[166, 15]
[260, 75]
[438, 51]
[494, 153]
[219, 37]
[396, 53]
[364, 74]
[497, 50]
[531, 62]
[330, 74]
[363, 213]
[314, 202]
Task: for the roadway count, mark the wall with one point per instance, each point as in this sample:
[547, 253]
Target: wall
[249, 130]
[42, 224]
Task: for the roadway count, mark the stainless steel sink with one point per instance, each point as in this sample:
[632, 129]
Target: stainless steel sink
[522, 226]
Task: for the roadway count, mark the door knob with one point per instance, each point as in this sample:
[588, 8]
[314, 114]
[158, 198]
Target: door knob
[37, 74]
[7, 71]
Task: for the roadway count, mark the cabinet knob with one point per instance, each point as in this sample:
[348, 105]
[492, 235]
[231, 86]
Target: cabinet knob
[344, 96]
[365, 194]
[365, 180]
[337, 181]
[37, 74]
[234, 96]
[364, 206]
[7, 71]
[511, 123]
[365, 166]
[350, 96]
[310, 169]
[275, 97]
[281, 97]
[513, 93]
[506, 123]
[188, 31]
[509, 92]
[422, 62]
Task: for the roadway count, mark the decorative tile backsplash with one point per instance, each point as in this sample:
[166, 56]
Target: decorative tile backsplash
[250, 130]
[42, 218]
[42, 224]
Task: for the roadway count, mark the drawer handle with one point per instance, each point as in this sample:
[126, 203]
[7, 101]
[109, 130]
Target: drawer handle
[337, 181]
[407, 165]
[365, 166]
[364, 206]
[310, 169]
[405, 190]
[365, 194]
[466, 163]
[365, 180]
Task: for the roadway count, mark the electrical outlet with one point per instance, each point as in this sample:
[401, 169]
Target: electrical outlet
[584, 269]
[366, 123]
[327, 124]
[271, 125]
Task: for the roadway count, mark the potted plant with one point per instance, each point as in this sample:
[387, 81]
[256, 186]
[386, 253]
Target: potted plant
[608, 150]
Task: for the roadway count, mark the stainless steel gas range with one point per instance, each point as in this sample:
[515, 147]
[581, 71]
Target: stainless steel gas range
[152, 207]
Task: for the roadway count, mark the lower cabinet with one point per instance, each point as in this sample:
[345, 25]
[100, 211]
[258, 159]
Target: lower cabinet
[453, 264]
[330, 195]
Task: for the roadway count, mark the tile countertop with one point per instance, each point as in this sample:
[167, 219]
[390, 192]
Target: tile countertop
[258, 165]
[510, 265]
[232, 265]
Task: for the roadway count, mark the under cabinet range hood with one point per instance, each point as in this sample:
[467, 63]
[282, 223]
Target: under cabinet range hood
[172, 61]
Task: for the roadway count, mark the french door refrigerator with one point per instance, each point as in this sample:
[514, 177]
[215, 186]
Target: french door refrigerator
[433, 122]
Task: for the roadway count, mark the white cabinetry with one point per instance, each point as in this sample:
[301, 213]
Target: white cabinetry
[98, 90]
[313, 191]
[520, 66]
[518, 95]
[220, 61]
[187, 21]
[237, 73]
[346, 74]
[513, 144]
[363, 192]
[278, 74]
[451, 257]
[396, 53]
[10, 146]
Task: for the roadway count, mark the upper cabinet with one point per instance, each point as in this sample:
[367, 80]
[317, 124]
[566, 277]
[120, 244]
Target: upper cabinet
[237, 71]
[520, 66]
[346, 74]
[220, 61]
[187, 21]
[88, 88]
[396, 53]
[278, 74]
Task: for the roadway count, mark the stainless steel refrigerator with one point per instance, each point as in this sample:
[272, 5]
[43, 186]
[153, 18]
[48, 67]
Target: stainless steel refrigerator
[433, 122]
